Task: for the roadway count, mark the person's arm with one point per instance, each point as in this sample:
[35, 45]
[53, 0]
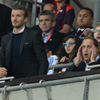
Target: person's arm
[94, 54]
[3, 70]
[64, 59]
[77, 60]
[40, 53]
[66, 28]
[68, 21]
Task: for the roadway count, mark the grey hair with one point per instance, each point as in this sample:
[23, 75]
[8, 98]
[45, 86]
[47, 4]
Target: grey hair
[48, 12]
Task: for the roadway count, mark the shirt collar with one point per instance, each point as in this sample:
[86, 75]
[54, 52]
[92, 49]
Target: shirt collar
[80, 29]
[96, 59]
[22, 30]
[47, 34]
[86, 68]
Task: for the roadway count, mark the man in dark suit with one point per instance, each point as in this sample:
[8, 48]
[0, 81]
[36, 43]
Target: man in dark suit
[22, 51]
[51, 38]
[87, 55]
[85, 20]
[5, 21]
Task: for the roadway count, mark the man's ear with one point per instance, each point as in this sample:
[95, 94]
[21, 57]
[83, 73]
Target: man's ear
[26, 19]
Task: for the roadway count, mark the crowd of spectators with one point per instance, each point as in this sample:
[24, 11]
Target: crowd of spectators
[52, 36]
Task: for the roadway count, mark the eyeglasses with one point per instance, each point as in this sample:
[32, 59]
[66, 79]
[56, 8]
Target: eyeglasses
[69, 43]
[96, 31]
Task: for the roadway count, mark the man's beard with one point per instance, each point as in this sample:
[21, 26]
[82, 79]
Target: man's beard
[18, 26]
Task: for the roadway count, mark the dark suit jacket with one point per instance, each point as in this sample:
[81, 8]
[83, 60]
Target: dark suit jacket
[32, 53]
[79, 33]
[74, 32]
[5, 20]
[82, 66]
[55, 41]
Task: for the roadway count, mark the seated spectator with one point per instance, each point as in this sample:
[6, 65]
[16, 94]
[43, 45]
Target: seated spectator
[64, 16]
[87, 55]
[52, 59]
[67, 52]
[48, 6]
[50, 37]
[84, 20]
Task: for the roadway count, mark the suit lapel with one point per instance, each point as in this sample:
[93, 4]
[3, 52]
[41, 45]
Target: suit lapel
[24, 37]
[8, 50]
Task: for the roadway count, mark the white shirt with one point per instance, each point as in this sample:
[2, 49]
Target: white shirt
[22, 30]
[45, 37]
[80, 29]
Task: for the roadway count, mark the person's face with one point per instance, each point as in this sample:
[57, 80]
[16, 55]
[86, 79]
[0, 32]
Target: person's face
[70, 46]
[97, 33]
[45, 23]
[84, 19]
[87, 49]
[18, 19]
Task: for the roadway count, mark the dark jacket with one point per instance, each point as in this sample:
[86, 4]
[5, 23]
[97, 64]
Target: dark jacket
[32, 53]
[82, 66]
[55, 41]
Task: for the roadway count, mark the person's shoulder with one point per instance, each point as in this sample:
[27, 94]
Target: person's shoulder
[7, 35]
[36, 28]
[33, 32]
[73, 32]
[4, 7]
[58, 33]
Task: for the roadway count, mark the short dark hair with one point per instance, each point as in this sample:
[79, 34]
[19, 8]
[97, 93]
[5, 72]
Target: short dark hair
[21, 7]
[92, 38]
[48, 12]
[90, 10]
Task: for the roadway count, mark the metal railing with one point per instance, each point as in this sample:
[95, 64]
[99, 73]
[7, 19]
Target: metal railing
[47, 84]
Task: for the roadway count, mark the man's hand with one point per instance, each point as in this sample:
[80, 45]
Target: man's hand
[3, 72]
[93, 54]
[77, 60]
